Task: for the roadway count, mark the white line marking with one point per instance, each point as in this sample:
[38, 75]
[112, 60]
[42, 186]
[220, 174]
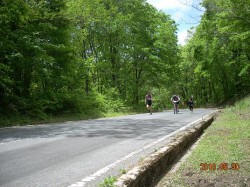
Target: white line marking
[93, 176]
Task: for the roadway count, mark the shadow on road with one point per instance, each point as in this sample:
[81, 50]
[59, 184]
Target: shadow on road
[110, 128]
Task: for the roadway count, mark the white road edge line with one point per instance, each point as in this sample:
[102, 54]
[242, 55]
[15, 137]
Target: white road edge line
[93, 176]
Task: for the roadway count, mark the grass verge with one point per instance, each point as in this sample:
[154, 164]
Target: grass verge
[221, 158]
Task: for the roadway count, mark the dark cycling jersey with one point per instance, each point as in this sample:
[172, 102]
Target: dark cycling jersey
[148, 99]
[175, 98]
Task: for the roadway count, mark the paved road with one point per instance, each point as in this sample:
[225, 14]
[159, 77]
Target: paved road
[83, 153]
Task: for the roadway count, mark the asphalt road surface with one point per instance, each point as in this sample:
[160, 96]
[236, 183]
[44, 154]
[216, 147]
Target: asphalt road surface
[83, 153]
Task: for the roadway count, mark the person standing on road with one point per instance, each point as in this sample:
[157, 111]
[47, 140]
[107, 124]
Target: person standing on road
[148, 102]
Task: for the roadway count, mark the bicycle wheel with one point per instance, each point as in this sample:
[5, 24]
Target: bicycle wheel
[175, 108]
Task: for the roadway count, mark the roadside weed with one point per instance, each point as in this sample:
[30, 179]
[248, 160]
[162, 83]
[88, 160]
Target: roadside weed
[108, 182]
[123, 171]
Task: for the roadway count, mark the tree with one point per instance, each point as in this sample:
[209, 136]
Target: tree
[34, 53]
[131, 45]
[217, 52]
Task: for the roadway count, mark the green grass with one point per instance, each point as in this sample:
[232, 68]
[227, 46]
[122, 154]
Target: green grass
[226, 141]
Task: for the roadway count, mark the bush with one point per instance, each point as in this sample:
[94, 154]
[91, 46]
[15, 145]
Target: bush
[161, 99]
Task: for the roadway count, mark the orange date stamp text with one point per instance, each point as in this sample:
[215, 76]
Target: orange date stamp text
[221, 166]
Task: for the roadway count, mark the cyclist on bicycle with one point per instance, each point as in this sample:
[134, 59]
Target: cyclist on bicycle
[148, 102]
[175, 100]
[191, 104]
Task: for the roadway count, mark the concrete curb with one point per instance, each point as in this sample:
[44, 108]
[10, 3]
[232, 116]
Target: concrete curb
[149, 171]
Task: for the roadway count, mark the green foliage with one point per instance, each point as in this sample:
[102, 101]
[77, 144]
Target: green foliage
[34, 57]
[128, 42]
[215, 62]
[114, 102]
[83, 56]
[161, 99]
[108, 182]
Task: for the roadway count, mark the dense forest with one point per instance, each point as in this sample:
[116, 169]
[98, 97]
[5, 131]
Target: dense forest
[100, 56]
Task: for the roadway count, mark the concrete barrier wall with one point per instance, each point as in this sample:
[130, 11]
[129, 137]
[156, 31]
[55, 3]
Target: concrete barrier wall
[151, 169]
